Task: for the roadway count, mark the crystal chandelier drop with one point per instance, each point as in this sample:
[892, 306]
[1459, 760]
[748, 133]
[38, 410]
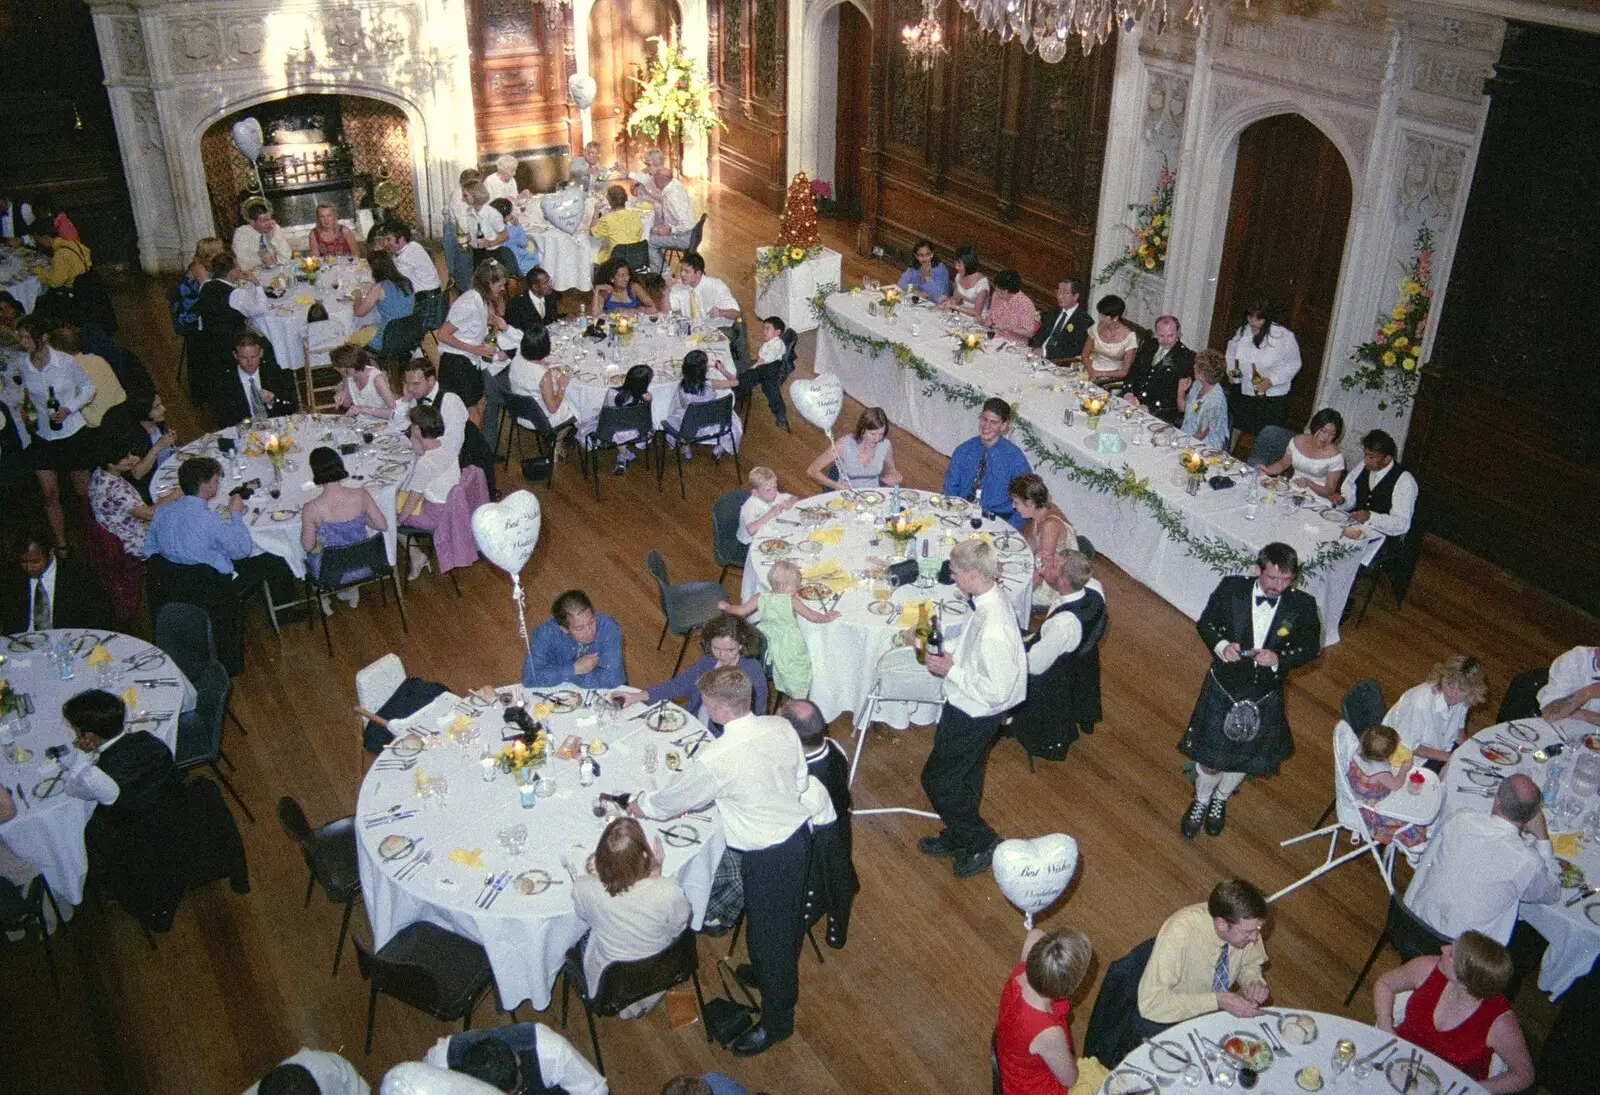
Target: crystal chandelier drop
[1047, 25]
[924, 40]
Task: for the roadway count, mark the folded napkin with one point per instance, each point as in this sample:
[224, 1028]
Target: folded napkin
[467, 857]
[908, 614]
[832, 534]
[130, 698]
[830, 574]
[542, 711]
[306, 299]
[1401, 754]
[1566, 845]
[98, 656]
[458, 724]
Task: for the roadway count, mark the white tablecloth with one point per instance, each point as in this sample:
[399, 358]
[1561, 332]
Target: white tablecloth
[1124, 530]
[526, 936]
[598, 366]
[48, 832]
[569, 258]
[789, 294]
[275, 522]
[1279, 1076]
[17, 279]
[845, 652]
[284, 325]
[1572, 931]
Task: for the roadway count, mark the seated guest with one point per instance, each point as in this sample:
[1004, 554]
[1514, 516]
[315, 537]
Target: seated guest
[1479, 867]
[340, 516]
[634, 390]
[363, 388]
[1382, 498]
[1373, 775]
[982, 467]
[532, 376]
[1431, 718]
[1033, 1040]
[1108, 352]
[186, 531]
[1160, 368]
[863, 459]
[673, 228]
[617, 225]
[926, 278]
[69, 258]
[969, 289]
[522, 248]
[1046, 530]
[772, 365]
[538, 306]
[501, 183]
[42, 591]
[764, 503]
[1064, 662]
[575, 644]
[614, 290]
[412, 260]
[1314, 456]
[1573, 691]
[1458, 1010]
[1061, 335]
[699, 296]
[116, 504]
[632, 911]
[311, 1072]
[523, 1057]
[428, 499]
[328, 238]
[45, 210]
[1201, 954]
[16, 873]
[62, 442]
[260, 241]
[390, 294]
[255, 390]
[1205, 401]
[420, 387]
[833, 883]
[1011, 311]
[724, 640]
[698, 386]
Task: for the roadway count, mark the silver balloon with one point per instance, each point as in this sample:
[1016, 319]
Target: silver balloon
[564, 209]
[247, 137]
[582, 89]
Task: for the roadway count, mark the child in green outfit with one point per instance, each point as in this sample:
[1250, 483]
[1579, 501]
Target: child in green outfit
[786, 646]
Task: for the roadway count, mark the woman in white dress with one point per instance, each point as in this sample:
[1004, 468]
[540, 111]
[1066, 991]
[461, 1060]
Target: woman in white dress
[1314, 456]
[1108, 352]
[969, 289]
[532, 376]
[1263, 358]
[363, 389]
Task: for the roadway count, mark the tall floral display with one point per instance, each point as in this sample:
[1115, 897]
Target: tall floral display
[674, 97]
[1151, 228]
[1391, 363]
[797, 232]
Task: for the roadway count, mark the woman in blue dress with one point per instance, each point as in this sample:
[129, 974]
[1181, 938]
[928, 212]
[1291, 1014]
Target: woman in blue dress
[338, 517]
[391, 295]
[614, 291]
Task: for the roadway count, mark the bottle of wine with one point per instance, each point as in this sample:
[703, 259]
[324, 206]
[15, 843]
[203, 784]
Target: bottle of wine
[30, 413]
[52, 404]
[922, 633]
[935, 637]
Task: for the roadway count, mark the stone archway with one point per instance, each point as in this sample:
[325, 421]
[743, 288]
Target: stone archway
[813, 84]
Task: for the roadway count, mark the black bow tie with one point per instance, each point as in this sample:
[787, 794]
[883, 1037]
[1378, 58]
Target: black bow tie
[1261, 599]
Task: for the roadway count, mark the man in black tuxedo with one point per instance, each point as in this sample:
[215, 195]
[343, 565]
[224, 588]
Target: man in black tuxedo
[211, 349]
[252, 389]
[1061, 334]
[1257, 631]
[41, 591]
[1161, 369]
[537, 306]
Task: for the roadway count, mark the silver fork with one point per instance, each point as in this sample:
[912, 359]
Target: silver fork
[1274, 1041]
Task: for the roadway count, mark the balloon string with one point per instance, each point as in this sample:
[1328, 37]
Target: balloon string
[1027, 922]
[522, 611]
[838, 468]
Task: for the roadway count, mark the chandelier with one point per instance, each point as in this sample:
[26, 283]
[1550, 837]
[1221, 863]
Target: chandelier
[1047, 25]
[924, 40]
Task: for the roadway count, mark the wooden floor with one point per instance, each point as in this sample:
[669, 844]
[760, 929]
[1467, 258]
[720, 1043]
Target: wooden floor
[242, 981]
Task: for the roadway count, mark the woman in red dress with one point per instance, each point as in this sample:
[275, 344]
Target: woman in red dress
[1457, 1010]
[1033, 1046]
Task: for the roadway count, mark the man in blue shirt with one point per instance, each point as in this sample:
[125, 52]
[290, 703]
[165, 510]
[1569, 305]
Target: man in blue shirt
[575, 644]
[186, 531]
[982, 467]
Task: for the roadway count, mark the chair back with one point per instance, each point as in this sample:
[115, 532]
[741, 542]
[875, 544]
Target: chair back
[725, 546]
[354, 562]
[1363, 705]
[625, 983]
[697, 233]
[1271, 443]
[657, 567]
[791, 346]
[1086, 546]
[636, 255]
[633, 420]
[408, 982]
[1522, 695]
[375, 683]
[1411, 937]
[200, 731]
[1111, 1034]
[1346, 744]
[710, 419]
[293, 820]
[899, 676]
[529, 413]
[183, 632]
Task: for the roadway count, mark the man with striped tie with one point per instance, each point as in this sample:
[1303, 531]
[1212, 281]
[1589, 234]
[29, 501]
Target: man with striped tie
[1207, 957]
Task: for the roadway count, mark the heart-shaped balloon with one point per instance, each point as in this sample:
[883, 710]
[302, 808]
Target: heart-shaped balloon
[417, 1078]
[507, 530]
[247, 137]
[819, 400]
[564, 208]
[582, 89]
[1033, 873]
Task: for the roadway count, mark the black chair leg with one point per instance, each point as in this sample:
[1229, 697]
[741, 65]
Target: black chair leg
[229, 788]
[663, 637]
[311, 881]
[372, 1013]
[149, 937]
[454, 583]
[344, 929]
[677, 451]
[700, 1000]
[399, 599]
[316, 610]
[594, 1039]
[1332, 806]
[1383, 937]
[565, 985]
[232, 767]
[811, 936]
[44, 936]
[733, 937]
[242, 731]
[1372, 587]
[677, 665]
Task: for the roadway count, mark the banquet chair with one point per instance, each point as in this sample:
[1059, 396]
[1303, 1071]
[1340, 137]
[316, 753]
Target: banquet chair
[1270, 445]
[1349, 820]
[215, 594]
[174, 310]
[183, 633]
[702, 423]
[696, 235]
[1396, 561]
[636, 255]
[121, 574]
[402, 337]
[624, 983]
[330, 854]
[428, 968]
[1114, 1023]
[1410, 937]
[684, 605]
[200, 731]
[319, 391]
[636, 424]
[29, 914]
[471, 491]
[375, 683]
[897, 678]
[1362, 707]
[1521, 700]
[351, 567]
[726, 549]
[523, 413]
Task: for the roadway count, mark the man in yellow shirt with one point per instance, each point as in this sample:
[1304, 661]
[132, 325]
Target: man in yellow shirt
[1207, 958]
[68, 258]
[619, 226]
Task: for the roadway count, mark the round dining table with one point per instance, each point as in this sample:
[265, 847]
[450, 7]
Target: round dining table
[284, 324]
[1204, 1055]
[381, 465]
[569, 257]
[19, 275]
[838, 541]
[445, 836]
[48, 828]
[1571, 924]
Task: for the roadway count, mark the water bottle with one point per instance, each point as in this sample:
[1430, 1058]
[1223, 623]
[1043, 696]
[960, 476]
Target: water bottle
[63, 660]
[586, 769]
[894, 502]
[1252, 497]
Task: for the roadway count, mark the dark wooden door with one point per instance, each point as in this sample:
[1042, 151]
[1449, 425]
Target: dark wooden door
[1286, 229]
[620, 51]
[850, 116]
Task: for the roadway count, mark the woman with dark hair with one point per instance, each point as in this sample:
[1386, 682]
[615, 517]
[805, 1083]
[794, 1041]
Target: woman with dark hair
[865, 458]
[116, 504]
[1263, 358]
[1012, 312]
[1315, 456]
[1045, 529]
[531, 376]
[62, 440]
[391, 294]
[632, 911]
[338, 517]
[698, 386]
[1108, 353]
[614, 291]
[635, 389]
[925, 277]
[724, 640]
[969, 289]
[363, 387]
[467, 340]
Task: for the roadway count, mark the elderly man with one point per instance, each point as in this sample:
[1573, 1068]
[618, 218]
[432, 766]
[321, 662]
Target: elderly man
[1573, 691]
[1064, 663]
[1257, 630]
[260, 241]
[1062, 332]
[1381, 498]
[982, 467]
[575, 644]
[1478, 867]
[673, 229]
[254, 389]
[1207, 957]
[1160, 370]
[985, 675]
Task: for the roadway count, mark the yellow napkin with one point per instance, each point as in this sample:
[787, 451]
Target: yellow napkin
[306, 299]
[1566, 845]
[459, 723]
[130, 698]
[833, 534]
[98, 656]
[467, 857]
[830, 574]
[908, 614]
[542, 711]
[1401, 754]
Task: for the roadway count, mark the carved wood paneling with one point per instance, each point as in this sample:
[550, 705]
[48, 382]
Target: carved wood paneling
[907, 115]
[749, 153]
[1065, 145]
[977, 101]
[766, 47]
[732, 38]
[518, 76]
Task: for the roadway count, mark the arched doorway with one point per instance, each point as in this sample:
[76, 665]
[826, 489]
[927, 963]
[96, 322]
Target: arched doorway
[619, 53]
[1287, 222]
[829, 91]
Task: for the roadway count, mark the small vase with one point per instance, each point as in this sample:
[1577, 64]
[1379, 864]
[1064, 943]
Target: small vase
[1094, 422]
[277, 473]
[1193, 485]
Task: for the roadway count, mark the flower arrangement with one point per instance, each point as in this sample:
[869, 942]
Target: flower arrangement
[519, 754]
[9, 700]
[772, 261]
[309, 265]
[622, 326]
[822, 189]
[797, 232]
[674, 96]
[966, 343]
[1390, 362]
[1151, 228]
[891, 299]
[1094, 406]
[1192, 462]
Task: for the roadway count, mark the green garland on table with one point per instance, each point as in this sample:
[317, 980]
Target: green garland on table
[1213, 551]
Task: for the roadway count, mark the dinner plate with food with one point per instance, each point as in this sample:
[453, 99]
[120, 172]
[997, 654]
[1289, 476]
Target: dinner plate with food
[408, 746]
[1408, 1075]
[816, 592]
[1499, 754]
[1248, 1049]
[667, 720]
[775, 546]
[1297, 1030]
[563, 700]
[948, 502]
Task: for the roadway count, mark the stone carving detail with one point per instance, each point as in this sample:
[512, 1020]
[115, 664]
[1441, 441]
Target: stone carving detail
[151, 182]
[1165, 106]
[978, 103]
[507, 27]
[196, 44]
[768, 66]
[131, 58]
[1455, 76]
[1307, 46]
[1430, 178]
[247, 40]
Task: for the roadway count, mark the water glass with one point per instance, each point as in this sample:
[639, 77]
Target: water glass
[652, 759]
[1362, 1069]
[1192, 1076]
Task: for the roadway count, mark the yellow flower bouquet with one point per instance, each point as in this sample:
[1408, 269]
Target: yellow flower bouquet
[517, 755]
[1094, 406]
[1389, 363]
[967, 342]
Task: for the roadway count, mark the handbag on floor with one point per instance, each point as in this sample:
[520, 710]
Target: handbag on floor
[727, 1020]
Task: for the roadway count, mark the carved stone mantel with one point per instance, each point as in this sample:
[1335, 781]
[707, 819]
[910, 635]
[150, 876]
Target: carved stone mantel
[173, 67]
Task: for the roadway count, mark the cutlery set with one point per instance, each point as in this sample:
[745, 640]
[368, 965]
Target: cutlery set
[492, 886]
[393, 813]
[416, 864]
[394, 764]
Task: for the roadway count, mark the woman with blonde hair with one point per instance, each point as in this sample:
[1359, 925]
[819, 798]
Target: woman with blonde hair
[1431, 718]
[329, 239]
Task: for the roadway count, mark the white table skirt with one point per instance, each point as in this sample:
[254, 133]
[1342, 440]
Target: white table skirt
[789, 294]
[49, 832]
[1124, 531]
[275, 522]
[1573, 936]
[284, 324]
[526, 936]
[844, 653]
[25, 289]
[569, 258]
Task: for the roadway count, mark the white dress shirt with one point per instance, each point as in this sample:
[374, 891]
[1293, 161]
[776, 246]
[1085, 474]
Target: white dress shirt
[1276, 360]
[247, 381]
[1402, 506]
[249, 300]
[1574, 670]
[677, 208]
[13, 228]
[499, 187]
[559, 1064]
[74, 391]
[771, 350]
[247, 246]
[451, 409]
[754, 507]
[435, 473]
[697, 303]
[1477, 868]
[469, 315]
[483, 223]
[754, 772]
[1422, 717]
[86, 779]
[48, 580]
[1260, 621]
[989, 670]
[414, 262]
[334, 1075]
[639, 922]
[1059, 634]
